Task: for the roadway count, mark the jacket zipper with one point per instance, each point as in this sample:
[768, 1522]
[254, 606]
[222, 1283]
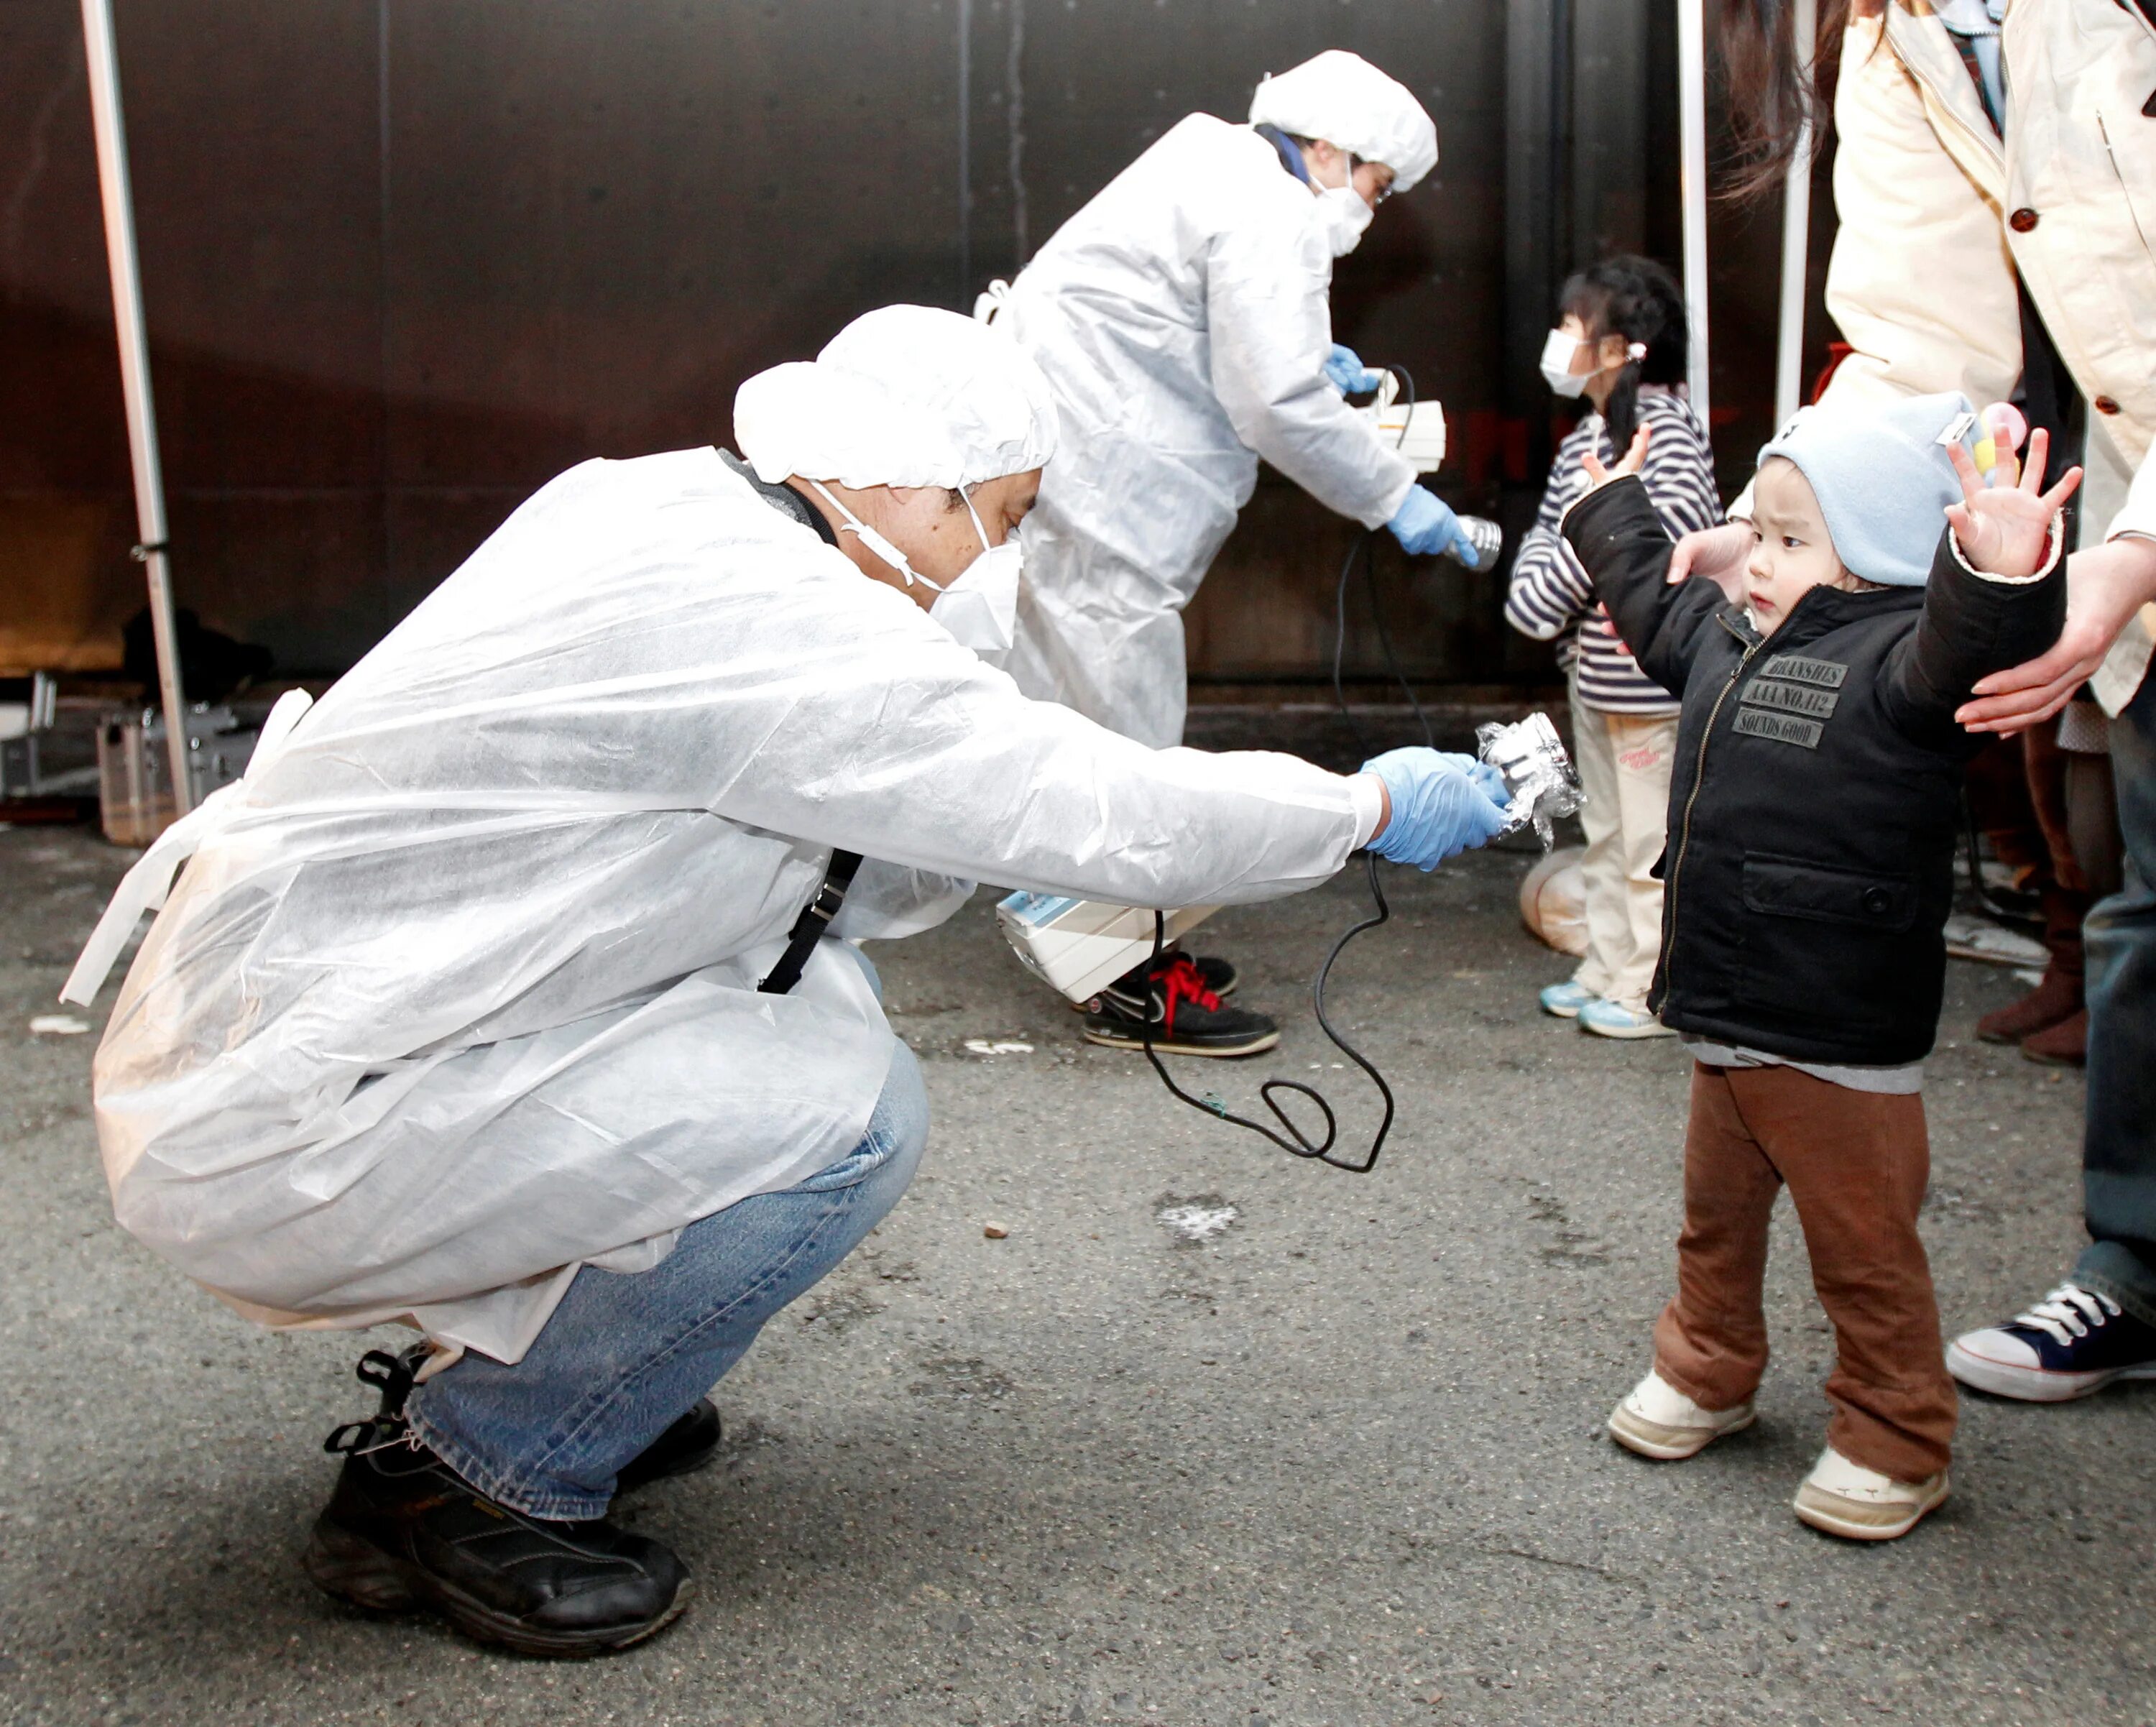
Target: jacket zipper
[1699, 779]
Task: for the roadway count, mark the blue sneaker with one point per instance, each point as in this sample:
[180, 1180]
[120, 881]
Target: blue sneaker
[1613, 1019]
[1566, 1000]
[2072, 1343]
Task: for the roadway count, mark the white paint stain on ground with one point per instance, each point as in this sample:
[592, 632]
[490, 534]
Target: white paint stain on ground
[998, 1047]
[58, 1025]
[1196, 1223]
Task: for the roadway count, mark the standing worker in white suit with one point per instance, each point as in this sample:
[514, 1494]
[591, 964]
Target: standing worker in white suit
[1182, 320]
[488, 1002]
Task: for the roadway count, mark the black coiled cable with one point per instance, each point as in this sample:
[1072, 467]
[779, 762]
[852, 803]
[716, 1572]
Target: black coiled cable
[1295, 1141]
[1292, 1139]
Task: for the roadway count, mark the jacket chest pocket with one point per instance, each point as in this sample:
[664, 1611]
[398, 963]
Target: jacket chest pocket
[1825, 944]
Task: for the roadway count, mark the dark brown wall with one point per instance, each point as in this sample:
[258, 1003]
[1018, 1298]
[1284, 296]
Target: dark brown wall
[404, 259]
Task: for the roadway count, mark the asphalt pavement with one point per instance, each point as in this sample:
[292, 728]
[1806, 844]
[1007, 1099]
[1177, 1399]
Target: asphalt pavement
[1209, 1435]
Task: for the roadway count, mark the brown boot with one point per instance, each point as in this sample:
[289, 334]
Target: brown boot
[2065, 1045]
[2058, 998]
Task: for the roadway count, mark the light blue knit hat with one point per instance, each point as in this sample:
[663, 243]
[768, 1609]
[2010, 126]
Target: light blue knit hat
[1883, 479]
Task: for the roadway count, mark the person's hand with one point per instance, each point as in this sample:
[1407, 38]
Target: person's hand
[1718, 554]
[1633, 459]
[1347, 373]
[1425, 524]
[1603, 624]
[2002, 529]
[2106, 585]
[1441, 805]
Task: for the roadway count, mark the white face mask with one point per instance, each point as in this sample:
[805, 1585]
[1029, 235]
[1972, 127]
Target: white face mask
[1345, 215]
[979, 608]
[1557, 364]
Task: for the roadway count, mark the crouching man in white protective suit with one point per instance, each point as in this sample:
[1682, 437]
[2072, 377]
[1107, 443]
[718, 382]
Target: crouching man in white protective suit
[471, 1009]
[1183, 321]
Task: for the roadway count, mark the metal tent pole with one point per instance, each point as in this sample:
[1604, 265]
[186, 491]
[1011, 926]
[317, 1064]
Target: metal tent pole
[1692, 103]
[111, 131]
[1796, 235]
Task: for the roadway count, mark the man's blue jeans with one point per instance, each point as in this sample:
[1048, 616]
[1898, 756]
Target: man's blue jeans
[2118, 1155]
[624, 1356]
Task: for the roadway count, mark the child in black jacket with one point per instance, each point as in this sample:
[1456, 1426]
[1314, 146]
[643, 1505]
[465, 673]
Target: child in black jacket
[1807, 878]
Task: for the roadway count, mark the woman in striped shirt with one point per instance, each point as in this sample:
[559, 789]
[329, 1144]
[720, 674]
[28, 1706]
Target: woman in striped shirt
[1622, 344]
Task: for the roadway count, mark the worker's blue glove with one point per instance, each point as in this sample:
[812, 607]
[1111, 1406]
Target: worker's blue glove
[1442, 805]
[1424, 524]
[1344, 367]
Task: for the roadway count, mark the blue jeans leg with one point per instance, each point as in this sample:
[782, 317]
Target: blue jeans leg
[2118, 1153]
[625, 1355]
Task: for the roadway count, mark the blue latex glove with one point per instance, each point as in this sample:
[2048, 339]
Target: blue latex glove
[1424, 524]
[1442, 805]
[1344, 367]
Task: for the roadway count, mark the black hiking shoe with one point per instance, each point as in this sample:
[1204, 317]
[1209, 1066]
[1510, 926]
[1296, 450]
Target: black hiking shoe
[1185, 1016]
[688, 1444]
[404, 1532]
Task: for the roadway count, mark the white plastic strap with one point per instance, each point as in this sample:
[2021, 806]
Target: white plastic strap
[144, 887]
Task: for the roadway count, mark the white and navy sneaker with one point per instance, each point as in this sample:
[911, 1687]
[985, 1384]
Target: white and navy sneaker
[2073, 1342]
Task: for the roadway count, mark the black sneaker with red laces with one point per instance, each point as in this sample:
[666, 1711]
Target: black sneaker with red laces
[1183, 1013]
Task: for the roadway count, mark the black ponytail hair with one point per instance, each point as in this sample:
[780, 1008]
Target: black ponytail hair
[1639, 300]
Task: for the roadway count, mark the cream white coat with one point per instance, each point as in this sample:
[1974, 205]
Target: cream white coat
[1922, 278]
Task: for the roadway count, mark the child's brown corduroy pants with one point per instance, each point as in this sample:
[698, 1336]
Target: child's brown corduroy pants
[1856, 1164]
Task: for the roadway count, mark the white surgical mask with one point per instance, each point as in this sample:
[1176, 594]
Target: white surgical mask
[979, 608]
[1557, 351]
[1345, 215]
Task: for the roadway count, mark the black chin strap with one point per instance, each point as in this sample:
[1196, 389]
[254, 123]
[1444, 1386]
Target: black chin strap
[809, 927]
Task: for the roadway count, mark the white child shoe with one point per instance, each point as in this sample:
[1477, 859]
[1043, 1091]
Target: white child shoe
[1613, 1019]
[1859, 1504]
[1657, 1420]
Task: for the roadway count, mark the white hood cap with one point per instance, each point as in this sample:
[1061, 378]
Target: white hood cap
[1343, 99]
[905, 395]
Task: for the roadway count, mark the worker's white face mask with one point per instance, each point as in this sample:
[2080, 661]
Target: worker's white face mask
[1345, 215]
[979, 608]
[1557, 351]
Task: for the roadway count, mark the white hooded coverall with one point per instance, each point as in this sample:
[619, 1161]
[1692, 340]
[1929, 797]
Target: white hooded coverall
[1182, 320]
[457, 991]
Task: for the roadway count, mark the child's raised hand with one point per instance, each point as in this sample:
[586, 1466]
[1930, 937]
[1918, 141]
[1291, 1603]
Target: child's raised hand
[2002, 530]
[1636, 457]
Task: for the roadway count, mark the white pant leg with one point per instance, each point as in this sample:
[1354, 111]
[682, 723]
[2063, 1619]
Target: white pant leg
[1643, 749]
[1602, 869]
